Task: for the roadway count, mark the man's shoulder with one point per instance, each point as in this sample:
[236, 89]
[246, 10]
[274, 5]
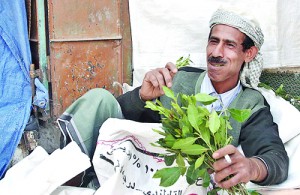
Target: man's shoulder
[252, 92]
[251, 98]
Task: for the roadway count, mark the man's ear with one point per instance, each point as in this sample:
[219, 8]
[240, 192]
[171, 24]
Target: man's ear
[251, 53]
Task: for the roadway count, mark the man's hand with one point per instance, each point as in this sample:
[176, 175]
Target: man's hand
[240, 169]
[155, 79]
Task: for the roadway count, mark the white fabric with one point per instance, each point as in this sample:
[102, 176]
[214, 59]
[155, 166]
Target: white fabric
[286, 116]
[40, 173]
[124, 160]
[69, 190]
[163, 31]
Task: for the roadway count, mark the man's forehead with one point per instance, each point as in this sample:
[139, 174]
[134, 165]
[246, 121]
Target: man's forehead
[226, 32]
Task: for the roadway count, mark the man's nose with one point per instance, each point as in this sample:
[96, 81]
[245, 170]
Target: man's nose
[218, 51]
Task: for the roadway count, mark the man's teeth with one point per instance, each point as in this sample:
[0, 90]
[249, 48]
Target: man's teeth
[218, 65]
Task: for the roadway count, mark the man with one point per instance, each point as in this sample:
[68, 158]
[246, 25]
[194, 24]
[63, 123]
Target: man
[234, 64]
[233, 45]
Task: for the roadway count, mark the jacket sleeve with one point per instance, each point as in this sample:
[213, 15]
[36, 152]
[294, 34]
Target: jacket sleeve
[133, 108]
[259, 137]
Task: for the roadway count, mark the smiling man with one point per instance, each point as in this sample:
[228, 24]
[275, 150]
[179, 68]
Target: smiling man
[234, 65]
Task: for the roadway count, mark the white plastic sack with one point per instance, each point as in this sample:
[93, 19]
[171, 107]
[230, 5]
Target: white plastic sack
[40, 173]
[285, 115]
[69, 190]
[125, 161]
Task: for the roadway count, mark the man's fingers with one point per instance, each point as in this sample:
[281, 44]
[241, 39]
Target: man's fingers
[229, 182]
[171, 67]
[154, 81]
[166, 77]
[227, 150]
[222, 163]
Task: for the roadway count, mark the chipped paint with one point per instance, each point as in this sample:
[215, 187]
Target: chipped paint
[87, 48]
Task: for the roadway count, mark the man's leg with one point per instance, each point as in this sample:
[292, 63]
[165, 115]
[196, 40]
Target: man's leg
[82, 120]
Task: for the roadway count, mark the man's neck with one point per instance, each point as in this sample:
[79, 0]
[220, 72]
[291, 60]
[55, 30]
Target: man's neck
[222, 87]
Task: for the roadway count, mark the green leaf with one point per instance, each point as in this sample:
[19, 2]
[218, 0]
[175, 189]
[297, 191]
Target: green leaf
[159, 132]
[183, 170]
[151, 105]
[214, 191]
[177, 108]
[180, 161]
[221, 134]
[186, 128]
[170, 140]
[228, 125]
[199, 161]
[280, 91]
[206, 179]
[214, 122]
[168, 176]
[169, 159]
[205, 135]
[253, 192]
[183, 143]
[185, 131]
[203, 111]
[169, 93]
[194, 149]
[240, 115]
[205, 99]
[192, 114]
[192, 174]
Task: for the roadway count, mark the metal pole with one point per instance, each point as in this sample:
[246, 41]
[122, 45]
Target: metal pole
[42, 49]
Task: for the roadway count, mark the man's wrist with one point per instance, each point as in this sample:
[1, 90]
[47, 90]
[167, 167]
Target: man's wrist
[260, 168]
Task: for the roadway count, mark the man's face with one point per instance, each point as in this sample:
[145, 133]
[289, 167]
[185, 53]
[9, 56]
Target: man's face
[225, 56]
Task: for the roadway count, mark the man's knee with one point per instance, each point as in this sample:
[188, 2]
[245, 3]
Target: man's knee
[104, 101]
[98, 92]
[100, 95]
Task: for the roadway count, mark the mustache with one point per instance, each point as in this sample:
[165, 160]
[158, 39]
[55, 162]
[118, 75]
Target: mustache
[217, 60]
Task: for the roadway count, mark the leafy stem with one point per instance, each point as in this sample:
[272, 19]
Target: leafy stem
[191, 133]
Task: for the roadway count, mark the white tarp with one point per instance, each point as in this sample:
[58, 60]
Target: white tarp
[164, 30]
[41, 173]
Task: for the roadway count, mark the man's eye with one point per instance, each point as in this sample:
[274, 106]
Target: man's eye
[231, 45]
[213, 41]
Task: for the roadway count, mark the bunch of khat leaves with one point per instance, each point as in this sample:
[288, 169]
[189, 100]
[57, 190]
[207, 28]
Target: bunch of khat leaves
[183, 61]
[190, 135]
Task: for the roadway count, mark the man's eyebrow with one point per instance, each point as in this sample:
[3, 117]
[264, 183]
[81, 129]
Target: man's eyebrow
[230, 41]
[227, 41]
[213, 37]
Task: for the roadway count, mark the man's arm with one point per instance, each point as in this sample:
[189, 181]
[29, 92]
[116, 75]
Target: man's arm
[132, 103]
[133, 108]
[260, 138]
